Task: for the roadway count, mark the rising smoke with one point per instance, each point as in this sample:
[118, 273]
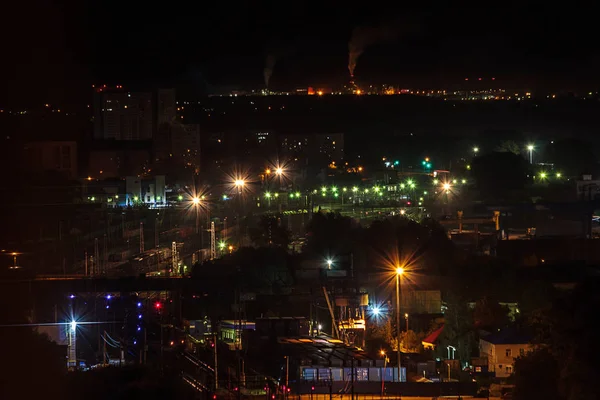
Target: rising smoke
[365, 36]
[269, 65]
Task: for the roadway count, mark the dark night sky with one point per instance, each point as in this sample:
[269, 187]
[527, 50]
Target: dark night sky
[52, 54]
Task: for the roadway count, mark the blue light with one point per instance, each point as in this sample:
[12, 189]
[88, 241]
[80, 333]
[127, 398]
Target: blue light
[139, 304]
[140, 316]
[376, 311]
[135, 342]
[139, 328]
[72, 296]
[108, 297]
[107, 307]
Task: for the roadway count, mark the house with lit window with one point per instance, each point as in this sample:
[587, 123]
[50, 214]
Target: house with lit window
[502, 348]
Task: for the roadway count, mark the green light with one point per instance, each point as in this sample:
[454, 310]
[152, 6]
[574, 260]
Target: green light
[323, 189]
[333, 189]
[297, 194]
[376, 189]
[428, 165]
[355, 189]
[135, 198]
[222, 245]
[291, 195]
[276, 194]
[323, 194]
[180, 197]
[93, 198]
[380, 194]
[543, 175]
[224, 197]
[424, 162]
[268, 195]
[435, 181]
[396, 162]
[402, 186]
[464, 181]
[158, 198]
[345, 189]
[425, 192]
[335, 195]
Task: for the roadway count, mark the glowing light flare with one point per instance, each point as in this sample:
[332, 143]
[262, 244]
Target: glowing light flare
[73, 325]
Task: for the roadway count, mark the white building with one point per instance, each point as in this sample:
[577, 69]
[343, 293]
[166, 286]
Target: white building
[145, 190]
[501, 349]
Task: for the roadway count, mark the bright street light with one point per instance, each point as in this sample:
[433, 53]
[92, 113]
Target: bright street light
[446, 186]
[530, 148]
[329, 263]
[73, 325]
[239, 182]
[279, 171]
[475, 150]
[399, 271]
[376, 311]
[196, 200]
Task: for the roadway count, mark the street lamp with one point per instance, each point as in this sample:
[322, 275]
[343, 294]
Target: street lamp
[399, 273]
[406, 318]
[475, 150]
[329, 263]
[385, 359]
[530, 149]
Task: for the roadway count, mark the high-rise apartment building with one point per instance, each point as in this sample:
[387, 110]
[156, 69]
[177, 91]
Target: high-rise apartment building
[121, 115]
[166, 103]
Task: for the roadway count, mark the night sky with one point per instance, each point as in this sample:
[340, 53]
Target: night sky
[52, 54]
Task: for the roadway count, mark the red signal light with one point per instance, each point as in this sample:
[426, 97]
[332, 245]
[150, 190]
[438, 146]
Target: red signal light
[158, 305]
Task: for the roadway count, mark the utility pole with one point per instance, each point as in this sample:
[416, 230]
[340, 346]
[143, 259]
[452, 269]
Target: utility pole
[104, 254]
[85, 261]
[96, 257]
[287, 375]
[174, 261]
[104, 349]
[141, 237]
[156, 232]
[213, 247]
[216, 363]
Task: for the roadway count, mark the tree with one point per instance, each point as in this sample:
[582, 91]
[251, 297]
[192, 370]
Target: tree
[572, 157]
[499, 173]
[508, 146]
[269, 232]
[410, 342]
[535, 376]
[567, 333]
[330, 234]
[458, 329]
[490, 315]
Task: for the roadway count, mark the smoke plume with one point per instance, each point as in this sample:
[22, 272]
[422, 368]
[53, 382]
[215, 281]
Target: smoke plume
[269, 65]
[365, 36]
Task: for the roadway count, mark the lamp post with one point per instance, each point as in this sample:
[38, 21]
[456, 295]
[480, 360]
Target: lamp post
[530, 149]
[383, 372]
[399, 272]
[239, 184]
[406, 318]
